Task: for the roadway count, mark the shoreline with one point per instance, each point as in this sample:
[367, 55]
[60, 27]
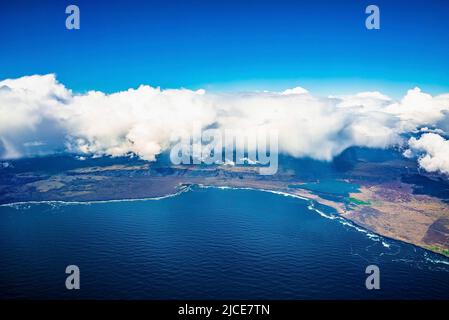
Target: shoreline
[186, 187]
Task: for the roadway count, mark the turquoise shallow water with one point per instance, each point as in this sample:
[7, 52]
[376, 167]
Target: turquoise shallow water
[206, 243]
[336, 187]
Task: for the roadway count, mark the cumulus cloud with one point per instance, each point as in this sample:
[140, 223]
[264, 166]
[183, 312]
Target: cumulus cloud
[417, 109]
[28, 107]
[432, 151]
[40, 115]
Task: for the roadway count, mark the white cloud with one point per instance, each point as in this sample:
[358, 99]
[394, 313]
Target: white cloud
[143, 121]
[296, 90]
[432, 150]
[138, 121]
[417, 109]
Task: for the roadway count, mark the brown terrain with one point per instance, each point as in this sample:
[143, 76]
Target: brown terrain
[389, 209]
[392, 210]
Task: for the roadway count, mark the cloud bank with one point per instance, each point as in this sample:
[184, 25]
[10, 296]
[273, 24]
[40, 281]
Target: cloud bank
[433, 152]
[39, 115]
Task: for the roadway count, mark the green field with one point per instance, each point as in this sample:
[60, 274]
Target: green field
[359, 202]
[439, 250]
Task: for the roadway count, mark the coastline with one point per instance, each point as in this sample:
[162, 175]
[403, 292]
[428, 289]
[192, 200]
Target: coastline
[341, 212]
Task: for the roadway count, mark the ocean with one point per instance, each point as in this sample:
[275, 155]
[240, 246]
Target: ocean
[206, 243]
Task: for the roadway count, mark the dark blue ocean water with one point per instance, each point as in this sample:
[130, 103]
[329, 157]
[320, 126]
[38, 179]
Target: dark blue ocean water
[206, 244]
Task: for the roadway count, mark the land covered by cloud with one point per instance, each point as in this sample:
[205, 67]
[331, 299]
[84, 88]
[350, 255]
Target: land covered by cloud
[39, 115]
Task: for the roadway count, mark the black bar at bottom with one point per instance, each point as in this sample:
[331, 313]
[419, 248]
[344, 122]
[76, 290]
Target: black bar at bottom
[231, 309]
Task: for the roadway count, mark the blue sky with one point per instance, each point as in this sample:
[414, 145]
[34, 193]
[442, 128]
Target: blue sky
[230, 45]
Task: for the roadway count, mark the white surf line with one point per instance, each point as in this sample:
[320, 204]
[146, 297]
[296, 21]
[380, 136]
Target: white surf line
[253, 189]
[311, 206]
[436, 260]
[340, 219]
[62, 202]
